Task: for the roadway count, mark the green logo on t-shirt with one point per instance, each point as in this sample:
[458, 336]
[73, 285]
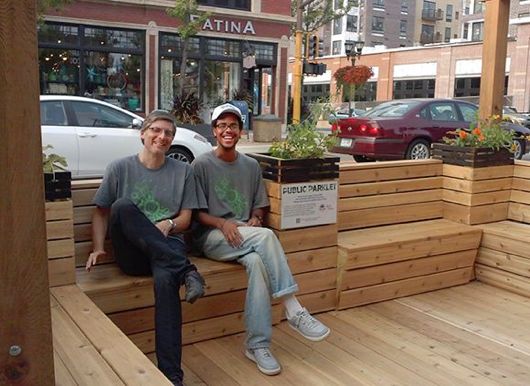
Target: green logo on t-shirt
[144, 198]
[228, 194]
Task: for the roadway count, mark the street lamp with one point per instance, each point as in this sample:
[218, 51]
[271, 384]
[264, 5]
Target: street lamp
[353, 50]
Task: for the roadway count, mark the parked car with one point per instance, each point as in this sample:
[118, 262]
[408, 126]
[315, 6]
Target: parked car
[405, 129]
[516, 117]
[90, 134]
[344, 113]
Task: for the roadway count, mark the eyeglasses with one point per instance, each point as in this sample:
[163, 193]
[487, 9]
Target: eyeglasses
[224, 126]
[159, 130]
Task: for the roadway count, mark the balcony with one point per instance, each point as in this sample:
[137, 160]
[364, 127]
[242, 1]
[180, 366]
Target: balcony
[428, 14]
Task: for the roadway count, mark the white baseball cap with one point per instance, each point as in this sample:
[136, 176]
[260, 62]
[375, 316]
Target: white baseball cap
[226, 108]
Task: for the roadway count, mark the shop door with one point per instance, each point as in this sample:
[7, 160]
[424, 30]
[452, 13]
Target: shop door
[260, 88]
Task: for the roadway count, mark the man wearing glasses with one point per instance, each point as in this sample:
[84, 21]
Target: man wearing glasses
[232, 202]
[146, 201]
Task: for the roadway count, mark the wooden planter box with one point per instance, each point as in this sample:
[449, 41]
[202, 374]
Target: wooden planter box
[471, 156]
[297, 170]
[57, 185]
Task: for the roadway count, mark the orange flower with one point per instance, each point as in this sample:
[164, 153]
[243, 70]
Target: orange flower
[476, 131]
[481, 137]
[462, 134]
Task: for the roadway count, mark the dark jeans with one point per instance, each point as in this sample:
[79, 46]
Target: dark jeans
[141, 249]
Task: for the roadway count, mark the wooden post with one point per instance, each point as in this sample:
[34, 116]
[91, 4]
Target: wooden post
[26, 354]
[494, 57]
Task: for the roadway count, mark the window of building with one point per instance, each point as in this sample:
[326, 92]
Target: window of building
[378, 24]
[351, 23]
[364, 93]
[429, 10]
[449, 13]
[103, 63]
[478, 6]
[403, 28]
[427, 34]
[465, 87]
[312, 93]
[214, 70]
[465, 32]
[337, 26]
[404, 6]
[477, 31]
[447, 34]
[378, 4]
[235, 4]
[413, 88]
[336, 47]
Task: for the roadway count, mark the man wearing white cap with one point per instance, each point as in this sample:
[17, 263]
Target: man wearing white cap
[232, 202]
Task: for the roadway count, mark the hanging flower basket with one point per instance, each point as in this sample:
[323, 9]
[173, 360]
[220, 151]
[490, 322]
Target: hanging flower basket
[352, 75]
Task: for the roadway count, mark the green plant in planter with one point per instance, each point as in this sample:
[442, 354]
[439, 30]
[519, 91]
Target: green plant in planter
[303, 140]
[52, 162]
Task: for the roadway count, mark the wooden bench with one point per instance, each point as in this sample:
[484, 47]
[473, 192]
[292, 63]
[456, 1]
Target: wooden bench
[393, 240]
[504, 256]
[128, 301]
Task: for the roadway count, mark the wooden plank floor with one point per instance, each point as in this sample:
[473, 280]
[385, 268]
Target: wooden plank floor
[473, 334]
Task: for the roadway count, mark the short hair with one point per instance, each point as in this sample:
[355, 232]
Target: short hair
[158, 115]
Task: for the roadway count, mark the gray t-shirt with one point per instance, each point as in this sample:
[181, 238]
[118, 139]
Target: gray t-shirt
[229, 189]
[159, 193]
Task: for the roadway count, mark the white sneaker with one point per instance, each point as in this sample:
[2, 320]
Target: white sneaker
[308, 326]
[266, 362]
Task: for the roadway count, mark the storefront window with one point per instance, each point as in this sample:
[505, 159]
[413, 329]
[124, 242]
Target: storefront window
[237, 4]
[170, 45]
[169, 75]
[115, 78]
[101, 63]
[221, 80]
[59, 71]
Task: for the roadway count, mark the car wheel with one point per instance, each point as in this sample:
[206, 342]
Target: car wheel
[518, 147]
[180, 154]
[419, 149]
[361, 158]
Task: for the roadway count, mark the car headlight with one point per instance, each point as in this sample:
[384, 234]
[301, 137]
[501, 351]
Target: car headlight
[199, 137]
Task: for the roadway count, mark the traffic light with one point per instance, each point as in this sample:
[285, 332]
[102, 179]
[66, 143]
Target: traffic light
[313, 46]
[313, 68]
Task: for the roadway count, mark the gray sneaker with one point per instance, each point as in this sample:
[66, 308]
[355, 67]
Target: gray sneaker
[194, 284]
[308, 327]
[266, 362]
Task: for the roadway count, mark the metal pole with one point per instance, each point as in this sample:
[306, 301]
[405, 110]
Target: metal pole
[297, 67]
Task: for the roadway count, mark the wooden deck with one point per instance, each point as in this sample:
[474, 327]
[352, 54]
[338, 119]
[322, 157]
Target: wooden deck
[473, 334]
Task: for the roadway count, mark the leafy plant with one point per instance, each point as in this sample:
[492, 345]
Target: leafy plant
[487, 133]
[303, 140]
[187, 107]
[52, 162]
[244, 95]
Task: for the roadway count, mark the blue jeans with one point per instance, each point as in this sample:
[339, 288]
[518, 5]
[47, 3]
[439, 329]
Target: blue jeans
[268, 274]
[141, 249]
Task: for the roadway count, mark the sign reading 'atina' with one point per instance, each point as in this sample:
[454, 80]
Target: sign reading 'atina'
[228, 26]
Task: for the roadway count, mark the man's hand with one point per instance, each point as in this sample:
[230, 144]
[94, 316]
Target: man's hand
[255, 221]
[93, 258]
[232, 234]
[164, 226]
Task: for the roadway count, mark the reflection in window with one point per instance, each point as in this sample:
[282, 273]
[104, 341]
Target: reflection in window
[226, 48]
[59, 71]
[414, 88]
[58, 33]
[170, 45]
[170, 75]
[102, 37]
[221, 80]
[115, 78]
[94, 115]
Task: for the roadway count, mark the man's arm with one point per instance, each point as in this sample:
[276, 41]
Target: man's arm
[181, 223]
[100, 219]
[229, 228]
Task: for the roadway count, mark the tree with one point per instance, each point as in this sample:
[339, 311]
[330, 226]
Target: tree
[44, 5]
[191, 21]
[320, 12]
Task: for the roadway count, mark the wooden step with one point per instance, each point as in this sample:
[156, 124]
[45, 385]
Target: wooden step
[386, 244]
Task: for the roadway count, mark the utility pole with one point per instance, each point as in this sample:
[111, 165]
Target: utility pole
[297, 68]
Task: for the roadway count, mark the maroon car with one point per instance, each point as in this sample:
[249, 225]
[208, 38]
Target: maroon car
[405, 129]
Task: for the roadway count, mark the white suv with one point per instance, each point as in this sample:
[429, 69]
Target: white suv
[90, 134]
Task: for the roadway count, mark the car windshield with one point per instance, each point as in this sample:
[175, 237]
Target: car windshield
[509, 110]
[392, 109]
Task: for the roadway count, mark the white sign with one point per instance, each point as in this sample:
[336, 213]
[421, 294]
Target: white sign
[229, 26]
[308, 203]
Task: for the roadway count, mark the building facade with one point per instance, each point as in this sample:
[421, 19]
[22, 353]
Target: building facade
[127, 52]
[444, 70]
[437, 21]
